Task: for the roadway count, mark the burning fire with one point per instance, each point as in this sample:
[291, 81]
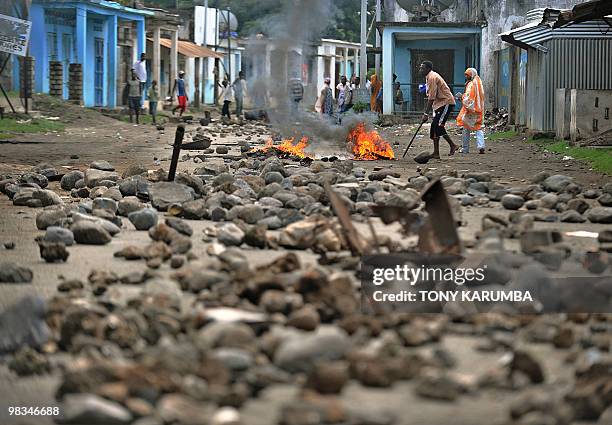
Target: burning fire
[288, 147]
[368, 145]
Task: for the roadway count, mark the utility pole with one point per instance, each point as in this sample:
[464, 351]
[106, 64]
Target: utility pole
[229, 44]
[205, 45]
[378, 18]
[363, 59]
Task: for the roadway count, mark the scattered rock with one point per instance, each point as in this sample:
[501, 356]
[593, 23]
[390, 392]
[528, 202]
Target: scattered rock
[94, 177]
[91, 409]
[512, 202]
[600, 215]
[143, 219]
[90, 233]
[69, 179]
[53, 251]
[164, 194]
[49, 217]
[23, 324]
[556, 183]
[102, 165]
[230, 235]
[13, 273]
[300, 353]
[422, 158]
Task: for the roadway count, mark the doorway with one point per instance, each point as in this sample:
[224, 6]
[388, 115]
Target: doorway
[444, 64]
[99, 72]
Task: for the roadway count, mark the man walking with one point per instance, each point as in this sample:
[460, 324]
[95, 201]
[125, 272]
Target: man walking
[180, 88]
[240, 88]
[134, 92]
[472, 111]
[441, 99]
[140, 67]
[226, 96]
[153, 95]
[344, 89]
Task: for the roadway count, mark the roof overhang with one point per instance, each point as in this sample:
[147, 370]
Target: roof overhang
[523, 36]
[101, 4]
[189, 49]
[430, 27]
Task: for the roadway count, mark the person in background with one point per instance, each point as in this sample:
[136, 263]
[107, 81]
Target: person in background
[140, 67]
[398, 97]
[296, 94]
[441, 99]
[153, 95]
[356, 83]
[259, 94]
[348, 102]
[240, 89]
[226, 96]
[472, 111]
[325, 102]
[344, 90]
[134, 93]
[180, 88]
[375, 88]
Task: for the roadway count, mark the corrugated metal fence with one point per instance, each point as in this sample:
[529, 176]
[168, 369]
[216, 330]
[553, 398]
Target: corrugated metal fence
[571, 63]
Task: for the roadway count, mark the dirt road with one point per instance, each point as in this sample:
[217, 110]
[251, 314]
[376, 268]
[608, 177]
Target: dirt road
[97, 137]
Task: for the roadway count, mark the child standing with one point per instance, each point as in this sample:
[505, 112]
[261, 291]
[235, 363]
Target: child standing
[153, 95]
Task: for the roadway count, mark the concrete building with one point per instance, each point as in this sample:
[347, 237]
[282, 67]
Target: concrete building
[274, 62]
[493, 17]
[336, 58]
[97, 34]
[563, 62]
[215, 29]
[452, 47]
[162, 49]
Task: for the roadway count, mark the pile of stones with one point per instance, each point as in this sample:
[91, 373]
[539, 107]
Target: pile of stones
[200, 332]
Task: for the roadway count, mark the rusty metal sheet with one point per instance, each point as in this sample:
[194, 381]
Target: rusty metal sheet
[440, 235]
[357, 244]
[411, 221]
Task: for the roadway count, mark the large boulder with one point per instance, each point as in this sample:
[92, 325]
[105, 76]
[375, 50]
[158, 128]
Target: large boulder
[69, 179]
[556, 183]
[90, 233]
[164, 194]
[93, 177]
[600, 215]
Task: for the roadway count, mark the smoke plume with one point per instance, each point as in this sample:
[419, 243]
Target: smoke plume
[302, 23]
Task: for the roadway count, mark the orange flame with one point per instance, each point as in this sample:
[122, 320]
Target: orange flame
[368, 145]
[288, 147]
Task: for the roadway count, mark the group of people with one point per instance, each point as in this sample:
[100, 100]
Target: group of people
[345, 99]
[234, 92]
[440, 100]
[136, 85]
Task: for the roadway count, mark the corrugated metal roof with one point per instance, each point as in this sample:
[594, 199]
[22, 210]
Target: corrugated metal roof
[189, 49]
[533, 34]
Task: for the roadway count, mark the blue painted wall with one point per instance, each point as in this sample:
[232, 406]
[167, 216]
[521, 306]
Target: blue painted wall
[403, 58]
[89, 23]
[503, 74]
